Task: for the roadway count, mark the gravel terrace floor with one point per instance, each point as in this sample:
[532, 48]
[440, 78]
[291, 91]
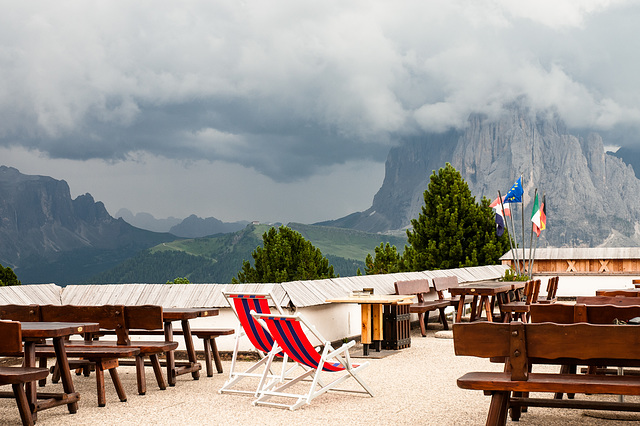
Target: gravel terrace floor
[413, 386]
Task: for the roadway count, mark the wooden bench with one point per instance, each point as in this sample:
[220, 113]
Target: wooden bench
[11, 344]
[593, 314]
[119, 319]
[102, 358]
[519, 309]
[527, 344]
[421, 288]
[442, 284]
[552, 291]
[208, 336]
[22, 313]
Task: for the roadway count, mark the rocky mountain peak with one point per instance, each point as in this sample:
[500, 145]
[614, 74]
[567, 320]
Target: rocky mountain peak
[593, 198]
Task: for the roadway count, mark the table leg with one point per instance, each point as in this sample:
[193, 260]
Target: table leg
[191, 352]
[487, 307]
[460, 308]
[474, 309]
[365, 335]
[65, 372]
[30, 387]
[171, 358]
[377, 326]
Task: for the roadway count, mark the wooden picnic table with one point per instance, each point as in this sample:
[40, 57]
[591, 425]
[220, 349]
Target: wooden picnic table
[484, 295]
[372, 306]
[32, 334]
[626, 292]
[169, 315]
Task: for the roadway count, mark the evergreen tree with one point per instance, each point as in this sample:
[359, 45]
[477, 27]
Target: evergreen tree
[8, 277]
[452, 231]
[285, 256]
[386, 261]
[179, 280]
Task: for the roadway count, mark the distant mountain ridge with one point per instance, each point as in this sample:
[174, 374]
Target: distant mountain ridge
[190, 227]
[593, 198]
[147, 221]
[194, 227]
[49, 237]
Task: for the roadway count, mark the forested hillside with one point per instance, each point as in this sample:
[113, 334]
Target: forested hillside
[218, 258]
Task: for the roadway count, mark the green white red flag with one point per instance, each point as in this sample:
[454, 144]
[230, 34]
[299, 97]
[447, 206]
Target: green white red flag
[536, 217]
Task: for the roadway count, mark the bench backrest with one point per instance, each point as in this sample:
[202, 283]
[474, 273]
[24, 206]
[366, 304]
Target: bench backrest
[445, 283]
[144, 317]
[22, 313]
[608, 300]
[592, 314]
[552, 287]
[420, 288]
[559, 313]
[531, 291]
[11, 341]
[110, 317]
[581, 342]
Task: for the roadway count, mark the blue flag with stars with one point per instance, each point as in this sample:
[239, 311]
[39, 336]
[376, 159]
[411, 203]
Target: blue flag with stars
[515, 193]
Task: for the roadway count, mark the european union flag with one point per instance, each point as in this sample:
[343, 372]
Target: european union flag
[515, 193]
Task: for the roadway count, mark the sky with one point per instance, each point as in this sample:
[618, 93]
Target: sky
[285, 110]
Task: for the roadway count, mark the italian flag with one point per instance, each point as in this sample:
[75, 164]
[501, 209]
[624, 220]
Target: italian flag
[537, 215]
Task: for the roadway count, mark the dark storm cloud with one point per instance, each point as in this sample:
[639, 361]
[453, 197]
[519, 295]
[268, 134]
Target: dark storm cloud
[290, 88]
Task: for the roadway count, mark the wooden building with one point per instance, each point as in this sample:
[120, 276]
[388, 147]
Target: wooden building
[581, 261]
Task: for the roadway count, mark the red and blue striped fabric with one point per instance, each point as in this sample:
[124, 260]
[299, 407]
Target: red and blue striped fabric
[290, 336]
[244, 304]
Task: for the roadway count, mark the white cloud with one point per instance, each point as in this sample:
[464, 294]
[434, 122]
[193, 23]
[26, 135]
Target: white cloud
[291, 89]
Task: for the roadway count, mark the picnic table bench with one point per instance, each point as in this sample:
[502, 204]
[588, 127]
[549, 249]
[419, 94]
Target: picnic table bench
[208, 336]
[120, 319]
[442, 284]
[17, 377]
[103, 359]
[420, 289]
[565, 344]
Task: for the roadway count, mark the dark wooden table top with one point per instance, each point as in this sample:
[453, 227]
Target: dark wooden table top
[178, 314]
[43, 330]
[619, 291]
[486, 288]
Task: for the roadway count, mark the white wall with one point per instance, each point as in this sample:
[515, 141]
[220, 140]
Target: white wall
[339, 320]
[586, 285]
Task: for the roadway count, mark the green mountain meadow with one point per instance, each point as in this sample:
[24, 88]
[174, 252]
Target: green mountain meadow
[218, 258]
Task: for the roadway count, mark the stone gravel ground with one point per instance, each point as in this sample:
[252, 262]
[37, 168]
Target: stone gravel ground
[414, 386]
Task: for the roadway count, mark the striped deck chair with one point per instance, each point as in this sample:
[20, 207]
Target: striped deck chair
[242, 304]
[288, 333]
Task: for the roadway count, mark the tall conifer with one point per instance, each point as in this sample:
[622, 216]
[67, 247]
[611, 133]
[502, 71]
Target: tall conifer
[452, 230]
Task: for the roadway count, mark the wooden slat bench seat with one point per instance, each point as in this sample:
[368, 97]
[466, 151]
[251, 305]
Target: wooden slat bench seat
[119, 319]
[550, 343]
[421, 289]
[11, 343]
[208, 336]
[103, 358]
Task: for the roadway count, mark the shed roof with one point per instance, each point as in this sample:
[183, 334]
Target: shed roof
[555, 253]
[297, 293]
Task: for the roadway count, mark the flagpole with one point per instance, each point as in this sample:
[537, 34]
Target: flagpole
[505, 222]
[531, 240]
[522, 214]
[534, 253]
[514, 252]
[542, 208]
